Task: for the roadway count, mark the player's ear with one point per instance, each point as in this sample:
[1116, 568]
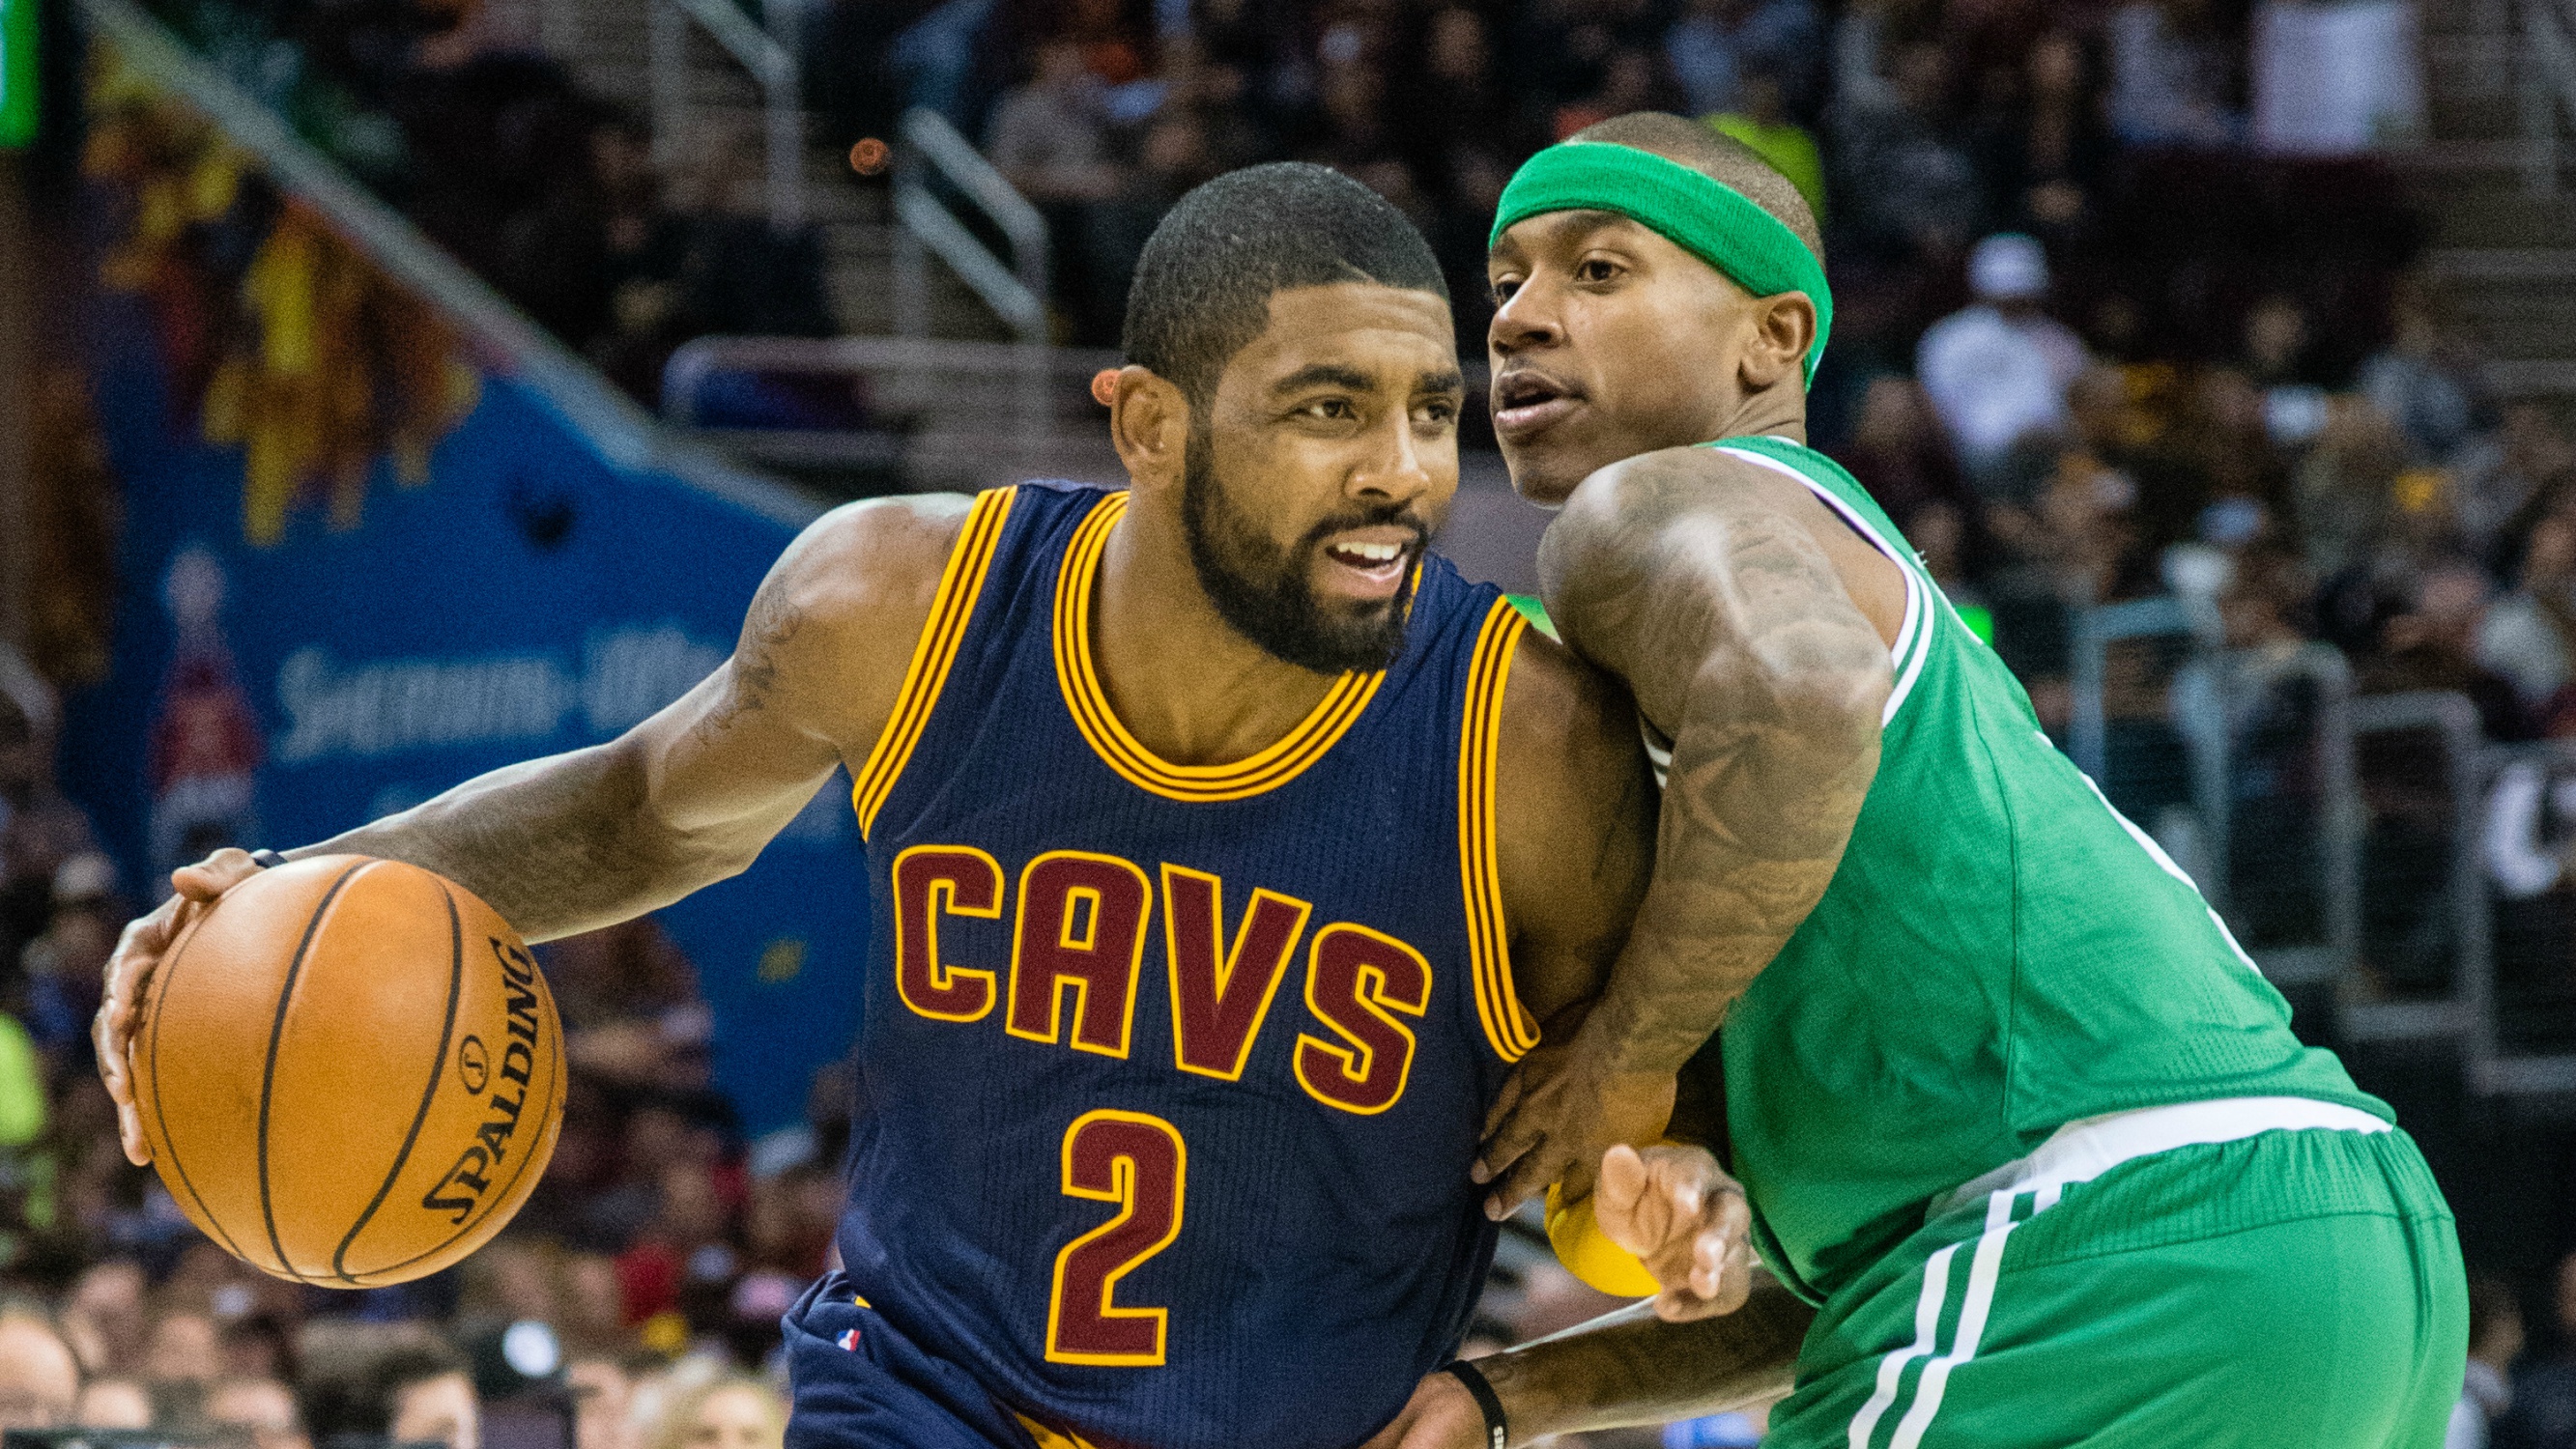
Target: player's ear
[1149, 421]
[1782, 327]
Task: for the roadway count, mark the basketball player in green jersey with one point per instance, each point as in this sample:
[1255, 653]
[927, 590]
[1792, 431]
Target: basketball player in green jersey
[2030, 1154]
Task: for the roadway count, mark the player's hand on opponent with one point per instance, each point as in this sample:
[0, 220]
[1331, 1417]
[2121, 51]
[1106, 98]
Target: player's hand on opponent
[1440, 1415]
[1557, 1113]
[1686, 1220]
[138, 952]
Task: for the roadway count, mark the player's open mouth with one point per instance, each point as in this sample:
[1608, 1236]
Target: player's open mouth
[1527, 401]
[1372, 561]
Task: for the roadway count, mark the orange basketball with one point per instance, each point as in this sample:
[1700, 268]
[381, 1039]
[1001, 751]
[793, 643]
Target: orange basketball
[350, 1071]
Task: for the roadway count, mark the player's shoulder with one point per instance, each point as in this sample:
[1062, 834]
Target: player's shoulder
[865, 564]
[1632, 517]
[1559, 710]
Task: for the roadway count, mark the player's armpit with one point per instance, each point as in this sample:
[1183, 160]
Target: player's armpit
[1708, 585]
[688, 797]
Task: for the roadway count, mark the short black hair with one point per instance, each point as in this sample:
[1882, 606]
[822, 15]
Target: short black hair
[1202, 287]
[1712, 153]
[351, 1396]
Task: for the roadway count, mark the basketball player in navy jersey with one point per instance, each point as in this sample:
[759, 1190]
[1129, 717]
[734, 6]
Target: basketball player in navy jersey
[1205, 935]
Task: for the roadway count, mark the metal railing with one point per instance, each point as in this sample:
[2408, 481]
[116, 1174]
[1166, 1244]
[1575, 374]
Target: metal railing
[773, 67]
[2466, 1009]
[2546, 88]
[941, 414]
[1017, 292]
[2422, 863]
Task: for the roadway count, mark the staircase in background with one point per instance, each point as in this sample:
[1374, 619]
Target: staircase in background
[2498, 184]
[608, 45]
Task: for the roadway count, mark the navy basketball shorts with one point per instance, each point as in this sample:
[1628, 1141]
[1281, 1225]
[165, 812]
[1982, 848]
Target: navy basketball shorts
[857, 1381]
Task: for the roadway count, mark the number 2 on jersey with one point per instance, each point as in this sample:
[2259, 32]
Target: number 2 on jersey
[1139, 1163]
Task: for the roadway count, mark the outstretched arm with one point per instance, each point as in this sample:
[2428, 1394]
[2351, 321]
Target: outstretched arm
[591, 837]
[595, 836]
[1752, 627]
[1622, 1370]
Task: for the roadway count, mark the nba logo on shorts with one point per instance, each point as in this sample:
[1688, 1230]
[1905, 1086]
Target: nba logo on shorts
[849, 1339]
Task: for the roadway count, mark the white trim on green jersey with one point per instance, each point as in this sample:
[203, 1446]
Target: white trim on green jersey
[1914, 636]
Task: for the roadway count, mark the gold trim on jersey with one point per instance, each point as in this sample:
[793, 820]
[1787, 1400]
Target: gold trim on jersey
[960, 583]
[1508, 1027]
[1341, 707]
[1050, 1438]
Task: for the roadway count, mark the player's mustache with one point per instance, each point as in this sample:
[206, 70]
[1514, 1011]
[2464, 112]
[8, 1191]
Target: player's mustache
[1397, 515]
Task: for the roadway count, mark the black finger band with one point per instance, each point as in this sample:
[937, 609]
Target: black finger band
[1497, 1429]
[267, 859]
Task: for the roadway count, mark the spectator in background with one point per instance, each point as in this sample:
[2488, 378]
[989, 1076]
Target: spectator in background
[2041, 153]
[2175, 76]
[602, 1392]
[113, 1404]
[743, 274]
[2543, 1410]
[1051, 138]
[1762, 122]
[39, 1381]
[39, 828]
[407, 1386]
[103, 1317]
[2508, 478]
[1998, 371]
[262, 1408]
[1907, 191]
[728, 1412]
[2495, 1341]
[2424, 379]
[66, 966]
[2433, 644]
[1718, 44]
[2529, 636]
[183, 1349]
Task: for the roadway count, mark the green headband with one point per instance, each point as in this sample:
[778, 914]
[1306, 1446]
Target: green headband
[1700, 214]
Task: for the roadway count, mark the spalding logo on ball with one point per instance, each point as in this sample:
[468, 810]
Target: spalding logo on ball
[350, 1071]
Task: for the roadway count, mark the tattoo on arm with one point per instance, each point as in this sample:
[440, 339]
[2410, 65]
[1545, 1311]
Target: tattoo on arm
[774, 621]
[1739, 640]
[1631, 1368]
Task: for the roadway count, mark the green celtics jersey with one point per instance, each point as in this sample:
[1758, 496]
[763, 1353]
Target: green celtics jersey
[2000, 953]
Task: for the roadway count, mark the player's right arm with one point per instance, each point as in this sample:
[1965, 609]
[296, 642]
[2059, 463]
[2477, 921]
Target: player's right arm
[590, 837]
[1624, 1370]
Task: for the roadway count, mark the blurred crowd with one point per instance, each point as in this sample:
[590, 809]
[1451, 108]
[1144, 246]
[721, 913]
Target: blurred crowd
[2095, 341]
[633, 1304]
[546, 189]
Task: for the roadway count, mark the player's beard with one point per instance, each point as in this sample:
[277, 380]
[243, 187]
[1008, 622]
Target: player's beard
[1266, 592]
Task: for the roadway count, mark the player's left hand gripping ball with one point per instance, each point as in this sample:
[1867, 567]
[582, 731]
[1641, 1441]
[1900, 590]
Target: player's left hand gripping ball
[1561, 1109]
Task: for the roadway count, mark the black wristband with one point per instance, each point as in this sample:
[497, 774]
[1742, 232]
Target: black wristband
[1497, 1428]
[267, 859]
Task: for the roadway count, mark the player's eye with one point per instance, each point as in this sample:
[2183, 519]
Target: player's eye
[1439, 410]
[1597, 270]
[1336, 409]
[1503, 288]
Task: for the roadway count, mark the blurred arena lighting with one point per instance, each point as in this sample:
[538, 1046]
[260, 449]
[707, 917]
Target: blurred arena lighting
[870, 156]
[531, 1348]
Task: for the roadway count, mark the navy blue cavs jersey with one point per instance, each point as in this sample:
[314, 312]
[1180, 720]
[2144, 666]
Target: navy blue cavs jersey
[1173, 1073]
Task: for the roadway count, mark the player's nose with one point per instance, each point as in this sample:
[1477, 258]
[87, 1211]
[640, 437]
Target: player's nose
[1528, 318]
[1399, 468]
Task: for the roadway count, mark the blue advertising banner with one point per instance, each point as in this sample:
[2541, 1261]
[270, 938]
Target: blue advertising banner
[312, 634]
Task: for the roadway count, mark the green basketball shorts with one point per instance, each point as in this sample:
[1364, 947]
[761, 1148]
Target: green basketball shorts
[2295, 1287]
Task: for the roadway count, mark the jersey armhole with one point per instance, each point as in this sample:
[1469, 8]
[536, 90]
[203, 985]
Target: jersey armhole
[1508, 1027]
[960, 583]
[1914, 635]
